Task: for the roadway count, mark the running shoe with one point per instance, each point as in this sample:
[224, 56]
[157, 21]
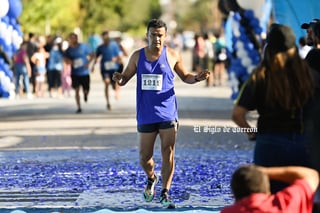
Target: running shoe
[166, 201]
[149, 191]
[108, 107]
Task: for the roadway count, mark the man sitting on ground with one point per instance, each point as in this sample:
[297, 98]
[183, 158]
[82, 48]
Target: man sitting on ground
[251, 189]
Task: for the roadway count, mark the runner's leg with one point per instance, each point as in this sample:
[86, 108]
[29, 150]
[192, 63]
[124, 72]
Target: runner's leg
[168, 139]
[106, 91]
[147, 141]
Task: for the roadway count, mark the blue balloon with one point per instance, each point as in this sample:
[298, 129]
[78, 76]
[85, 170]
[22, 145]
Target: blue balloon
[2, 68]
[1, 90]
[236, 62]
[248, 46]
[249, 14]
[8, 49]
[5, 94]
[15, 8]
[242, 30]
[258, 30]
[245, 75]
[10, 73]
[234, 95]
[234, 39]
[5, 19]
[239, 70]
[17, 27]
[14, 48]
[6, 69]
[252, 53]
[256, 59]
[254, 22]
[244, 38]
[2, 42]
[1, 65]
[237, 16]
[13, 21]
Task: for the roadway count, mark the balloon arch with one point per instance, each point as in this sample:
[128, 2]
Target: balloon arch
[244, 28]
[10, 39]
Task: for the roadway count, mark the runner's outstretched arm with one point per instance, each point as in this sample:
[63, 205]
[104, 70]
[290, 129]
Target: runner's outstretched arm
[129, 71]
[182, 72]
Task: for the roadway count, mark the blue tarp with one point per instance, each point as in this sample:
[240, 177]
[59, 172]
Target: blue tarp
[295, 12]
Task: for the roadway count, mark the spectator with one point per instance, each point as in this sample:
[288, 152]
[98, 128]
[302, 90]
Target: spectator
[22, 68]
[313, 56]
[279, 89]
[66, 79]
[303, 47]
[124, 52]
[198, 53]
[308, 27]
[39, 58]
[313, 120]
[176, 42]
[220, 59]
[32, 47]
[251, 189]
[66, 72]
[94, 41]
[55, 67]
[208, 58]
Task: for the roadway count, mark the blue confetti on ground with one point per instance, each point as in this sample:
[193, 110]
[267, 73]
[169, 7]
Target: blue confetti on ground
[201, 173]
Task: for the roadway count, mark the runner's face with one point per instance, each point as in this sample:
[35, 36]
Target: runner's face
[156, 37]
[73, 40]
[106, 39]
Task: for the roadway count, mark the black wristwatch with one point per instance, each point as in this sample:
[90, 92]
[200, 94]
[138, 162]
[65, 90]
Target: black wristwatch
[196, 79]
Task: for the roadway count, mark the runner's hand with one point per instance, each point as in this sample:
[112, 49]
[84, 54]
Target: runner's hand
[117, 77]
[203, 75]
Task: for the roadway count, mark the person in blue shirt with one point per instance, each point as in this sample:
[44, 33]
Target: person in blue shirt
[94, 41]
[156, 104]
[55, 66]
[110, 54]
[79, 56]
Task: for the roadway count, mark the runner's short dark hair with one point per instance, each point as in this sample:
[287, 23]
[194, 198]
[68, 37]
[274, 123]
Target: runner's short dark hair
[73, 35]
[105, 33]
[156, 23]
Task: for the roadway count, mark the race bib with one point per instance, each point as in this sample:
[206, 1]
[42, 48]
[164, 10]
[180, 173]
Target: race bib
[110, 65]
[151, 81]
[77, 63]
[58, 66]
[222, 56]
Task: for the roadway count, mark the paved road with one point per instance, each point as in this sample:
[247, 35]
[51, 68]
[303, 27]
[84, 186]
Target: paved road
[44, 136]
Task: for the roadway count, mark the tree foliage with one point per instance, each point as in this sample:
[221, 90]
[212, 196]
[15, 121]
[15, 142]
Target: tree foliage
[63, 16]
[122, 15]
[60, 15]
[198, 15]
